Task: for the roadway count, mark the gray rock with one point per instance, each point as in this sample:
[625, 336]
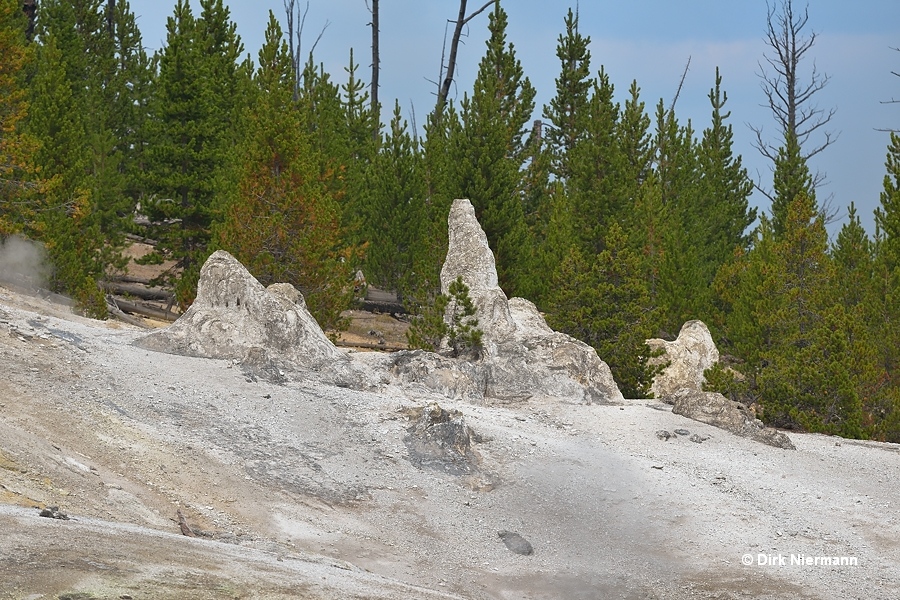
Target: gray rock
[53, 512]
[717, 410]
[698, 439]
[522, 357]
[235, 317]
[688, 357]
[459, 380]
[663, 434]
[516, 543]
[440, 439]
[682, 432]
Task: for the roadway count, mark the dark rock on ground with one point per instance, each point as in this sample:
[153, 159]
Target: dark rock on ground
[516, 543]
[53, 512]
[440, 439]
[452, 378]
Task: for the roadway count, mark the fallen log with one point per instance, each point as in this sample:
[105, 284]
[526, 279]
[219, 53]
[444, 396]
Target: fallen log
[365, 346]
[117, 313]
[123, 288]
[145, 311]
[132, 279]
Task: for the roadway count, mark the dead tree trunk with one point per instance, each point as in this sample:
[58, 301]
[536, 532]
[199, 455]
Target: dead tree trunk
[376, 61]
[143, 310]
[447, 81]
[30, 9]
[111, 16]
[789, 99]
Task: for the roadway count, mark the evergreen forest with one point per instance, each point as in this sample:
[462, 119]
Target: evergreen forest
[616, 219]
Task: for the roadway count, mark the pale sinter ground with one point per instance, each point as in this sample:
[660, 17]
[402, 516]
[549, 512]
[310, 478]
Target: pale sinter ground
[303, 490]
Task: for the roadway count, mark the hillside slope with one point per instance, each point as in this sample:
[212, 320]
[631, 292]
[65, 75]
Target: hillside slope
[303, 490]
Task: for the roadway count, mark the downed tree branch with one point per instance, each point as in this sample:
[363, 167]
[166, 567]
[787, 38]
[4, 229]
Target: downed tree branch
[123, 288]
[366, 346]
[146, 311]
[115, 311]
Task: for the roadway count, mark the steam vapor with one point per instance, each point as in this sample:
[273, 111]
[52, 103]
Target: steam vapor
[23, 262]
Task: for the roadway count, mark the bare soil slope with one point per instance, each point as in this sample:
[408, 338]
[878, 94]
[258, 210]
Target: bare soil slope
[303, 490]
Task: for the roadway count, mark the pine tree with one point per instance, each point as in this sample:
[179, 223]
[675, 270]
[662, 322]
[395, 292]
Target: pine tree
[192, 130]
[810, 361]
[792, 179]
[604, 301]
[568, 110]
[884, 306]
[854, 261]
[887, 216]
[463, 336]
[536, 195]
[320, 105]
[228, 78]
[284, 223]
[490, 149]
[724, 187]
[130, 91]
[635, 153]
[79, 223]
[360, 133]
[679, 291]
[886, 300]
[747, 288]
[18, 206]
[440, 181]
[395, 215]
[597, 186]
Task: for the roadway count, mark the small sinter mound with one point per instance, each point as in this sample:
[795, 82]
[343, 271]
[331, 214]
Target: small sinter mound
[235, 317]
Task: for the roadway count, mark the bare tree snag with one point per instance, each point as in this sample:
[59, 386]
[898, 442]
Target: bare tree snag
[295, 23]
[111, 16]
[892, 100]
[787, 97]
[680, 84]
[30, 9]
[376, 59]
[462, 19]
[295, 60]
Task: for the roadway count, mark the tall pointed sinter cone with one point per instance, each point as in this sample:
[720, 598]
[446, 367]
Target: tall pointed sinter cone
[524, 358]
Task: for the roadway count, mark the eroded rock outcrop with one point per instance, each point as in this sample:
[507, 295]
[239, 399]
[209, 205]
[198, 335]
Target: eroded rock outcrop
[522, 357]
[430, 372]
[717, 410]
[688, 357]
[235, 317]
[441, 440]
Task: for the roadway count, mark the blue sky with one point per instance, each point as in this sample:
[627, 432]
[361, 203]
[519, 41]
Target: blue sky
[644, 40]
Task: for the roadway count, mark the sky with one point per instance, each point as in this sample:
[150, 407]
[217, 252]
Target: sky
[648, 41]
